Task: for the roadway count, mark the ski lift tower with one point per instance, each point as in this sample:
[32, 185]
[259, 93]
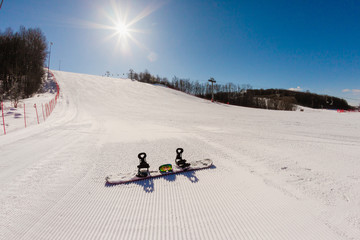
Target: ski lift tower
[212, 80]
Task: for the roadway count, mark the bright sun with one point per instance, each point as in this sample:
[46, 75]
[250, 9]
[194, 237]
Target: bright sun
[122, 29]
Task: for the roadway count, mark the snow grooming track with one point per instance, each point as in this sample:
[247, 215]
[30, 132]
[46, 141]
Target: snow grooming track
[178, 208]
[103, 123]
[180, 211]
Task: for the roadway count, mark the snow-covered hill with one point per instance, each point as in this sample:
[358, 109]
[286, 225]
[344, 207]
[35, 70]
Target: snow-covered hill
[276, 175]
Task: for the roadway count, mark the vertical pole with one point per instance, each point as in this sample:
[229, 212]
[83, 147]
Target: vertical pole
[24, 116]
[47, 110]
[2, 109]
[212, 80]
[36, 113]
[212, 91]
[49, 60]
[43, 111]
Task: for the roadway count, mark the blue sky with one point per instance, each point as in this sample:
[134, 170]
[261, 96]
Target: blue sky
[300, 44]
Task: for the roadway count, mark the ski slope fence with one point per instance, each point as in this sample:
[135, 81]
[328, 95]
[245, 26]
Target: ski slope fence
[344, 111]
[12, 116]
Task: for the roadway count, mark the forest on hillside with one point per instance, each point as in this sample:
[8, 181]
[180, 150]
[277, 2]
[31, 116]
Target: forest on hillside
[244, 95]
[22, 58]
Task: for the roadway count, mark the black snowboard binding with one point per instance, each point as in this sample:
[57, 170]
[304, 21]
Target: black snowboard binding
[143, 167]
[179, 161]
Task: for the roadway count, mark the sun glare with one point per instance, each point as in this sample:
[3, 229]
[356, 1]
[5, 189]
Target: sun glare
[122, 29]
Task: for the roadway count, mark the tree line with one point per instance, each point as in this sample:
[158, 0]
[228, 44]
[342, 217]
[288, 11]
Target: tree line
[306, 99]
[22, 58]
[196, 88]
[281, 99]
[244, 94]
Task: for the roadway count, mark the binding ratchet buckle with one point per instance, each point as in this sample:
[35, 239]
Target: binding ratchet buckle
[179, 160]
[143, 167]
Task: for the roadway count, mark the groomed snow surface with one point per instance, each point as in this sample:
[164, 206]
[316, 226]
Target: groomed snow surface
[276, 175]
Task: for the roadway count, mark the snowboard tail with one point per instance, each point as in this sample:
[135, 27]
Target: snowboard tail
[122, 178]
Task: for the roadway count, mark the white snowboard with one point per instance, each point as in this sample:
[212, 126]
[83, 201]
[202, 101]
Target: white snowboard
[121, 178]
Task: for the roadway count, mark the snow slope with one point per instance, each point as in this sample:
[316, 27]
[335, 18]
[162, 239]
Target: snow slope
[276, 175]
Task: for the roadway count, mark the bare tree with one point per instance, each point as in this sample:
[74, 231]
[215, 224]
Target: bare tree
[22, 57]
[131, 74]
